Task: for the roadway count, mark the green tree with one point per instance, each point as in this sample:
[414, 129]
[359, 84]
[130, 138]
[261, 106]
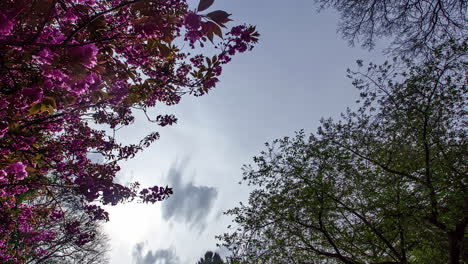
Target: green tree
[384, 184]
[211, 258]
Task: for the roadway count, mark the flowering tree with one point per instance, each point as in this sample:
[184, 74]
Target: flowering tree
[68, 64]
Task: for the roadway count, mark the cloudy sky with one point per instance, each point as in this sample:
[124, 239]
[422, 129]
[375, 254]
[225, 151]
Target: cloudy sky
[294, 77]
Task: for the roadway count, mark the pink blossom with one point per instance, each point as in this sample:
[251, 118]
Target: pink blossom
[70, 15]
[3, 129]
[24, 143]
[56, 75]
[33, 95]
[84, 55]
[3, 103]
[6, 25]
[41, 252]
[46, 56]
[56, 214]
[52, 35]
[18, 169]
[210, 83]
[87, 2]
[149, 29]
[3, 179]
[192, 21]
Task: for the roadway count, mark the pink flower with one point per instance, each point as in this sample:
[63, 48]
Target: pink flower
[56, 214]
[41, 252]
[18, 169]
[34, 95]
[70, 15]
[3, 180]
[15, 167]
[55, 75]
[210, 83]
[52, 35]
[84, 55]
[87, 2]
[192, 21]
[24, 143]
[3, 103]
[3, 128]
[46, 56]
[149, 29]
[6, 25]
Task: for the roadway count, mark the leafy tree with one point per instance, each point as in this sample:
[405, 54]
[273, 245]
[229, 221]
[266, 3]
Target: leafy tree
[413, 24]
[384, 184]
[211, 258]
[67, 66]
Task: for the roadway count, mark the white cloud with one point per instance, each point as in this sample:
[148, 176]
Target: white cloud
[190, 204]
[159, 256]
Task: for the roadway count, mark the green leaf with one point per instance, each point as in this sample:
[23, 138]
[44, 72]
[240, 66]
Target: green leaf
[204, 4]
[50, 103]
[47, 105]
[35, 108]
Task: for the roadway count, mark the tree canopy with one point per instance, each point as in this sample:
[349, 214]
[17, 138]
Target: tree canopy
[211, 258]
[72, 73]
[412, 25]
[385, 183]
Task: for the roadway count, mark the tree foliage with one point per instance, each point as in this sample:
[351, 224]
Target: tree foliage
[384, 184]
[413, 25]
[67, 66]
[211, 258]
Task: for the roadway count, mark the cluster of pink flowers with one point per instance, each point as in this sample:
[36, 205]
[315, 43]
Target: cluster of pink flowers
[67, 65]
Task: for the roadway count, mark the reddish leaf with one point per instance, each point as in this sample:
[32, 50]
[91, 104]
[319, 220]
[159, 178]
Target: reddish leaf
[210, 36]
[212, 28]
[204, 4]
[165, 50]
[217, 31]
[219, 16]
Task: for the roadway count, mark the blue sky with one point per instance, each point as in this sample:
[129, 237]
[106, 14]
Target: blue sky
[295, 76]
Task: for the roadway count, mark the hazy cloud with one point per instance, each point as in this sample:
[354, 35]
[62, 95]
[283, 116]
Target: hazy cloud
[160, 256]
[190, 203]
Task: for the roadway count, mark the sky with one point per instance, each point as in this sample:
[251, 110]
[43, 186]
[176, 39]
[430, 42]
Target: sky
[294, 77]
